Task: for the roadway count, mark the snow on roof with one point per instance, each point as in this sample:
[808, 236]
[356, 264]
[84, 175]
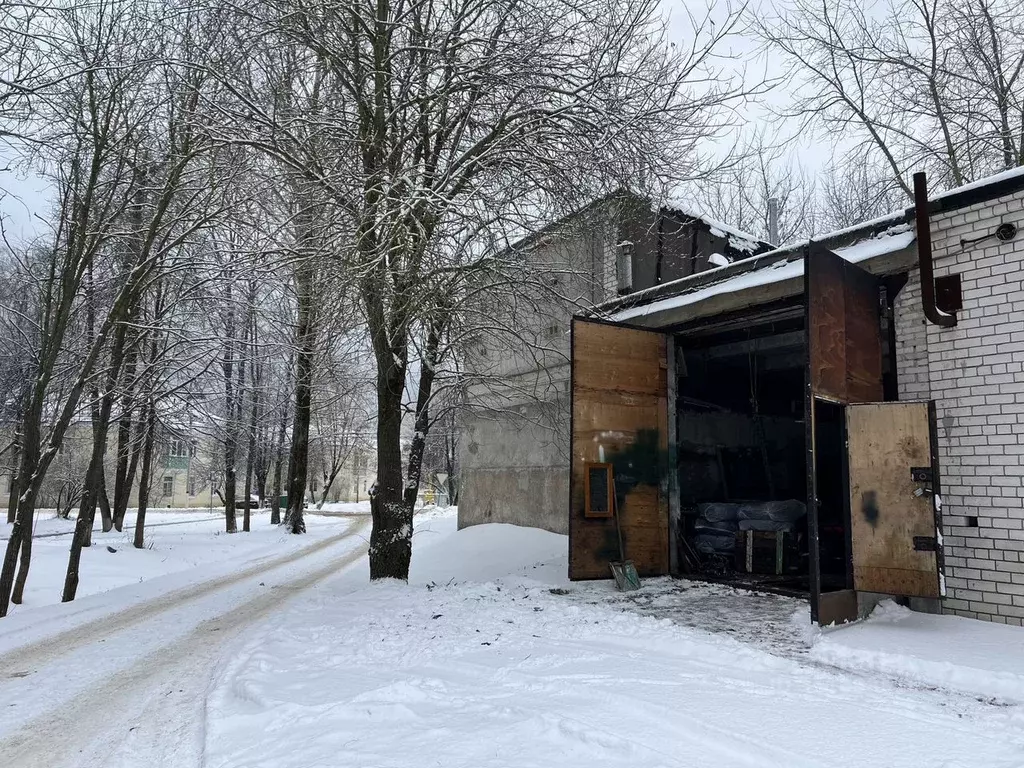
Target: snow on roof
[738, 239]
[893, 239]
[1013, 173]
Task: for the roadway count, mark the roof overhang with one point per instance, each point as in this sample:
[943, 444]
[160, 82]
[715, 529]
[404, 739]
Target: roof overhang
[760, 280]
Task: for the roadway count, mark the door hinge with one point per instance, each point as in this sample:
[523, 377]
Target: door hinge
[926, 544]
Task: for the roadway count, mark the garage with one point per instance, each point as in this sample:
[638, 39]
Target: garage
[761, 445]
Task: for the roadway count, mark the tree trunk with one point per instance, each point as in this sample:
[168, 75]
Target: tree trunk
[124, 473]
[248, 466]
[146, 471]
[393, 505]
[86, 514]
[106, 512]
[254, 404]
[298, 457]
[230, 524]
[12, 496]
[391, 535]
[22, 529]
[282, 434]
[95, 483]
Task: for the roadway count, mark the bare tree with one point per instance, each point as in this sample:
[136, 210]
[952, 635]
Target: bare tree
[445, 114]
[740, 194]
[916, 84]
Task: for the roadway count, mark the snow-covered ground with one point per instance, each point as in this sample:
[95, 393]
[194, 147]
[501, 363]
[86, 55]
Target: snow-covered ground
[177, 541]
[119, 677]
[949, 652]
[488, 657]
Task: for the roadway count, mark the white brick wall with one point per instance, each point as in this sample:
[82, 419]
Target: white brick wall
[975, 374]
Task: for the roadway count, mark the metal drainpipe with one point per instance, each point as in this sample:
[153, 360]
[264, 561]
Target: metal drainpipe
[924, 255]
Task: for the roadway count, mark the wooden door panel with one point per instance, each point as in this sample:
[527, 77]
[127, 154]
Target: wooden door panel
[619, 416]
[886, 440]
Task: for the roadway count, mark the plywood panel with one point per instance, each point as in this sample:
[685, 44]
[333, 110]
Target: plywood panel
[885, 440]
[620, 416]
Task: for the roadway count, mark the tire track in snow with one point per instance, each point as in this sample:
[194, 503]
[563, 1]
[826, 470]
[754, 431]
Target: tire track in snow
[136, 716]
[38, 652]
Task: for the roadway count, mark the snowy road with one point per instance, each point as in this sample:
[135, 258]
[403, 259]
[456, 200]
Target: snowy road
[128, 689]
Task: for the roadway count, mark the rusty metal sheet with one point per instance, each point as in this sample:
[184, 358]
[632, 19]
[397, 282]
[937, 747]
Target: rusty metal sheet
[826, 327]
[844, 330]
[844, 365]
[837, 607]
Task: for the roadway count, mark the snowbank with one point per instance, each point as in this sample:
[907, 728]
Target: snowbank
[975, 657]
[483, 661]
[484, 553]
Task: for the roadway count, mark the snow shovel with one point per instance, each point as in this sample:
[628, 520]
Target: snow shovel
[626, 577]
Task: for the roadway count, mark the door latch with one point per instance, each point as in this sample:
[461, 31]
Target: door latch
[921, 474]
[926, 544]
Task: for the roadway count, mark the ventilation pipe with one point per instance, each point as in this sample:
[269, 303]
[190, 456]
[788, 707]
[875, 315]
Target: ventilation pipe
[773, 220]
[924, 255]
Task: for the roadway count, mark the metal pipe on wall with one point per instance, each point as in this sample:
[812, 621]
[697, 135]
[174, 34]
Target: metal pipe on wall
[924, 255]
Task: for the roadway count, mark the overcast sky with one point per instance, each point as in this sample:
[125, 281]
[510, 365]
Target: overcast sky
[24, 196]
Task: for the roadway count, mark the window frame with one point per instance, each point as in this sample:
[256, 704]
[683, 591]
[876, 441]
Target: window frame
[588, 510]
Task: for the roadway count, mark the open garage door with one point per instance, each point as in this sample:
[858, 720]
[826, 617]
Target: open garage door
[618, 449]
[895, 551]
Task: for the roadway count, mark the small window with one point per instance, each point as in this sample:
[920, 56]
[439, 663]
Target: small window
[312, 485]
[624, 267]
[178, 449]
[168, 485]
[599, 490]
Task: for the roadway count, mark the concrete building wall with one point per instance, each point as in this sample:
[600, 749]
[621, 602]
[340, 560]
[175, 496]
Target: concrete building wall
[975, 373]
[515, 467]
[514, 436]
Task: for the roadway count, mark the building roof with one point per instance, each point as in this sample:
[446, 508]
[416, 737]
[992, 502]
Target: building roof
[739, 241]
[885, 245]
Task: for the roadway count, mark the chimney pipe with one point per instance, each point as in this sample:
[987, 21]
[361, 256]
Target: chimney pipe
[924, 255]
[773, 220]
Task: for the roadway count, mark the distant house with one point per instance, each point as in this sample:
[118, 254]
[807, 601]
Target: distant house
[514, 439]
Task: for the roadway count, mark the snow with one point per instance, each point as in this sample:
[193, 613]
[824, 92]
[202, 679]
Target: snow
[718, 260]
[1013, 173]
[267, 649]
[741, 241]
[889, 241]
[948, 652]
[489, 657]
[118, 678]
[176, 542]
